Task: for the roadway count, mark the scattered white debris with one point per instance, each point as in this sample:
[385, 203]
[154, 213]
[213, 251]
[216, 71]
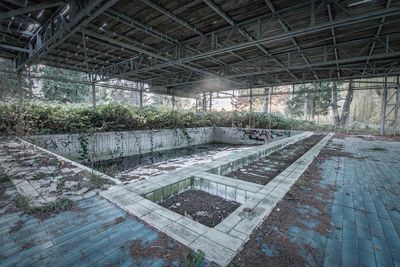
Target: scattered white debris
[83, 191]
[201, 213]
[144, 172]
[70, 184]
[53, 187]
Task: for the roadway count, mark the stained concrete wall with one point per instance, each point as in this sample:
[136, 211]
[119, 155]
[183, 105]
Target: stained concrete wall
[108, 145]
[249, 136]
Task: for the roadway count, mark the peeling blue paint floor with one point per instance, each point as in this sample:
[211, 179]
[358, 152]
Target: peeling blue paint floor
[97, 234]
[363, 203]
[360, 196]
[366, 206]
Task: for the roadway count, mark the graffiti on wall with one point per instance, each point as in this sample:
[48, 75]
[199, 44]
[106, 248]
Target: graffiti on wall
[259, 135]
[55, 143]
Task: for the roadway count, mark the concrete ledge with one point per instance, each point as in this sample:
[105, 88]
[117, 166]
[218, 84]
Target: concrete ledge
[236, 183]
[83, 167]
[222, 242]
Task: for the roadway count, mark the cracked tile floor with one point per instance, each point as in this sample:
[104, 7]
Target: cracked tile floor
[365, 219]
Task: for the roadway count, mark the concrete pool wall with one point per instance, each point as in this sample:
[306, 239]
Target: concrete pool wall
[109, 145]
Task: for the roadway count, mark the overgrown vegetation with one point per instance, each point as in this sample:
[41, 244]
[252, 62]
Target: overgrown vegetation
[46, 210]
[194, 259]
[4, 178]
[97, 182]
[43, 118]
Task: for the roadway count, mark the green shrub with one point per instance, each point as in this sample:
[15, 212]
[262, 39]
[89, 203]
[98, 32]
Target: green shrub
[51, 118]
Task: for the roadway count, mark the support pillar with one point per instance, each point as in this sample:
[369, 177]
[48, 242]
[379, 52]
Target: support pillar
[305, 107]
[30, 84]
[270, 107]
[251, 106]
[204, 104]
[251, 100]
[383, 109]
[318, 104]
[271, 91]
[141, 98]
[349, 110]
[173, 102]
[291, 98]
[266, 100]
[233, 101]
[20, 92]
[94, 96]
[397, 104]
[210, 102]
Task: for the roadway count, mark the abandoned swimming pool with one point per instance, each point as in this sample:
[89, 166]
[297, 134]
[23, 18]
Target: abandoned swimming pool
[128, 168]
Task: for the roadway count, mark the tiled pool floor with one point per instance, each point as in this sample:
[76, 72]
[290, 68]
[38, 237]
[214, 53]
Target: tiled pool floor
[97, 233]
[366, 205]
[364, 209]
[361, 203]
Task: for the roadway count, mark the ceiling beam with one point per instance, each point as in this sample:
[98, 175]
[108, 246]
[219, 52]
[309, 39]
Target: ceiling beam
[330, 15]
[20, 3]
[286, 28]
[13, 48]
[49, 38]
[179, 20]
[378, 32]
[28, 9]
[228, 19]
[269, 39]
[145, 52]
[12, 30]
[172, 16]
[331, 64]
[127, 20]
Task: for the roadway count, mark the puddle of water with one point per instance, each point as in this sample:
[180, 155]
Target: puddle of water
[155, 163]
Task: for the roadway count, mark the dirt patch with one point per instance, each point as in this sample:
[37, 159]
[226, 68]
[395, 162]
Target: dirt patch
[17, 226]
[27, 245]
[201, 206]
[116, 221]
[262, 171]
[271, 244]
[169, 250]
[47, 210]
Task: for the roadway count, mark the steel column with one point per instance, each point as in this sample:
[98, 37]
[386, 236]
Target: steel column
[383, 109]
[94, 96]
[141, 97]
[210, 102]
[397, 104]
[20, 91]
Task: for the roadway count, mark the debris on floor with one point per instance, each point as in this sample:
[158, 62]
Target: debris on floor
[201, 206]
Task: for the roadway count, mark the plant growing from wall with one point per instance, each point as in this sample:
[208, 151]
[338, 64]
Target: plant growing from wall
[97, 182]
[137, 143]
[186, 135]
[84, 147]
[151, 141]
